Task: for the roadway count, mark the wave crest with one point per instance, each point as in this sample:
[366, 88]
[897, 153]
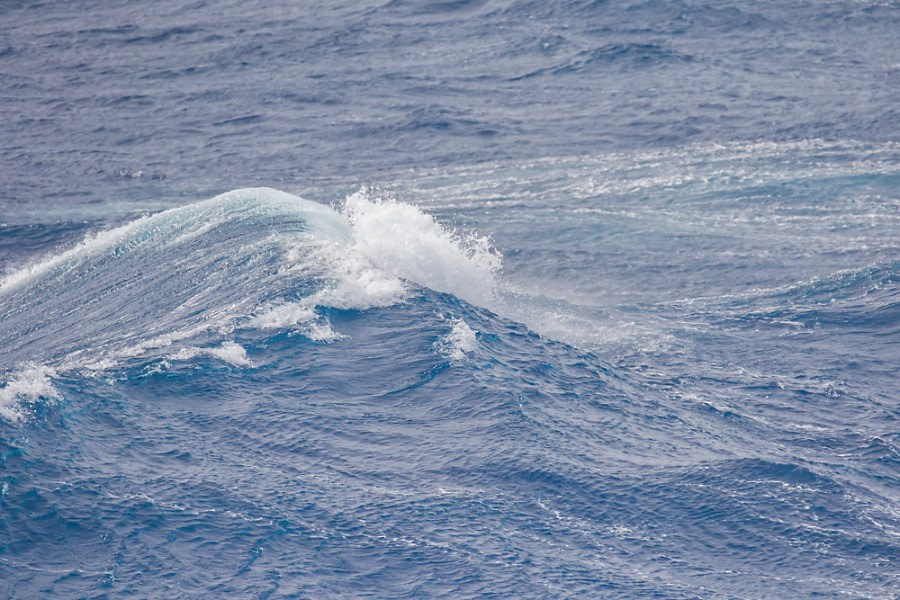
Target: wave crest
[186, 278]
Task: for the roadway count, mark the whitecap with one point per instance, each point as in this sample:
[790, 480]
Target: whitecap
[28, 386]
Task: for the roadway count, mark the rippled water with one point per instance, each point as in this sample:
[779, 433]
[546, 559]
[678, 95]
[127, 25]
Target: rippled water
[403, 299]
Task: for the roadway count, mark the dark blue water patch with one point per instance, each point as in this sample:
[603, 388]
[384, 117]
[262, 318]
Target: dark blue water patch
[732, 18]
[620, 56]
[863, 300]
[365, 462]
[21, 243]
[174, 34]
[449, 8]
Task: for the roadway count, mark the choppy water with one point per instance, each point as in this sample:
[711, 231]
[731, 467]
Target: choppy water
[404, 299]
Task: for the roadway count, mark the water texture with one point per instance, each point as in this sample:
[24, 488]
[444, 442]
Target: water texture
[465, 298]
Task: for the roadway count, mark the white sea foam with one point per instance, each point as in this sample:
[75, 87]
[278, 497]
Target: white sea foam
[283, 316]
[460, 341]
[27, 387]
[391, 243]
[353, 281]
[403, 241]
[232, 353]
[297, 316]
[229, 352]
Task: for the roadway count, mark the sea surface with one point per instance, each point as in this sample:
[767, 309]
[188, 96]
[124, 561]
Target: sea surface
[461, 298]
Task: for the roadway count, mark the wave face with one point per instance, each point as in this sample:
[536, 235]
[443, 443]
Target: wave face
[249, 258]
[160, 279]
[560, 299]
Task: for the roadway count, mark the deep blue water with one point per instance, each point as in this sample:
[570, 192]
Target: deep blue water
[454, 298]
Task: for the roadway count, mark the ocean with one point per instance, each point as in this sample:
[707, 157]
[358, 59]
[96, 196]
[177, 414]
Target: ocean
[460, 298]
